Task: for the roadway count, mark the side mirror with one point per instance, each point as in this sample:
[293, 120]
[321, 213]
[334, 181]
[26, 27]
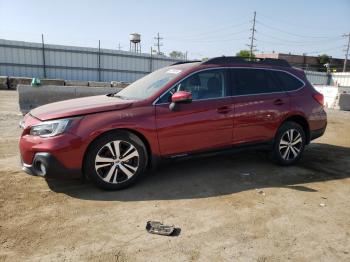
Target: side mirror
[181, 97]
[178, 98]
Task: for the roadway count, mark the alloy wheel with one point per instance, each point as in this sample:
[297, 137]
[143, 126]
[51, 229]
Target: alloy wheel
[117, 161]
[290, 144]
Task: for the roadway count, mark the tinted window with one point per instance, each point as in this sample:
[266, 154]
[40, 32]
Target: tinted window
[254, 81]
[288, 82]
[203, 85]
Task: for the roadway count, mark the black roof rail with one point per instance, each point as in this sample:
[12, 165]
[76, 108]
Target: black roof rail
[185, 62]
[243, 60]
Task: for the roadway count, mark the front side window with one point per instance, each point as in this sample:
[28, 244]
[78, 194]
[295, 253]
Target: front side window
[254, 81]
[207, 84]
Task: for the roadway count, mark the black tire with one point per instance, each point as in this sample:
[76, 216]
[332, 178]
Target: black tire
[101, 145]
[280, 148]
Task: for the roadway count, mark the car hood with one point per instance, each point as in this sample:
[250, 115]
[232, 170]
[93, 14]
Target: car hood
[80, 106]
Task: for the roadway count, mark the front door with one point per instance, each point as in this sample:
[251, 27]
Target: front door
[204, 124]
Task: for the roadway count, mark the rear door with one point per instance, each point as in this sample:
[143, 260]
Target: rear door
[204, 124]
[260, 105]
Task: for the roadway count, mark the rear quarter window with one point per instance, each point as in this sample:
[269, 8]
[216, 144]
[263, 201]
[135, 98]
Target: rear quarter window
[287, 81]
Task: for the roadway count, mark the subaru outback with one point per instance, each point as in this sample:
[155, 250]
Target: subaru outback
[182, 110]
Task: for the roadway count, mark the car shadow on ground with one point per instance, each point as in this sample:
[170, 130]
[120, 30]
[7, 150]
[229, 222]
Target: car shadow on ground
[222, 175]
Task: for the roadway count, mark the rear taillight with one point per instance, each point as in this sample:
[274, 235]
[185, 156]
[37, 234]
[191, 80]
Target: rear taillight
[319, 98]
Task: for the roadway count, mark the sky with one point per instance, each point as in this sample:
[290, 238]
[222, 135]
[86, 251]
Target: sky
[203, 28]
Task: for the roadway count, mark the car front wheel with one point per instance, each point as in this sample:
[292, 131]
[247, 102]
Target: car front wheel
[115, 160]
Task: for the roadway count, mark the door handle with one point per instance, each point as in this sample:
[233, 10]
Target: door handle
[278, 102]
[224, 110]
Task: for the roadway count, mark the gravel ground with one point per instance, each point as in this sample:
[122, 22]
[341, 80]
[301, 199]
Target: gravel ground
[238, 207]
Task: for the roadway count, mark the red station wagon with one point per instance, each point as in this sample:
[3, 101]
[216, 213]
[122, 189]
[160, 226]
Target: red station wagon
[185, 109]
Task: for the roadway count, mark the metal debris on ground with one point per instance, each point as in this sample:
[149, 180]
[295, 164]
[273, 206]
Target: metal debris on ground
[155, 227]
[322, 205]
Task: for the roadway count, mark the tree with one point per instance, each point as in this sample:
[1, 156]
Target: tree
[177, 55]
[244, 53]
[324, 62]
[323, 59]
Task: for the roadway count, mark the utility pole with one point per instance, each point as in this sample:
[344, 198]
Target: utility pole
[43, 49]
[252, 38]
[150, 61]
[119, 46]
[346, 51]
[158, 44]
[99, 60]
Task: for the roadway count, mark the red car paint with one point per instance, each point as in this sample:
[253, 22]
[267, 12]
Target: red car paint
[197, 126]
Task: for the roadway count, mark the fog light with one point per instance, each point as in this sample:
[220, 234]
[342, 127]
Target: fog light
[41, 168]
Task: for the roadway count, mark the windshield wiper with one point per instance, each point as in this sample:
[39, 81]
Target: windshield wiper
[115, 95]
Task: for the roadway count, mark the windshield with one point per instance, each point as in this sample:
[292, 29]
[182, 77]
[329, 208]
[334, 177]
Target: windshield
[149, 85]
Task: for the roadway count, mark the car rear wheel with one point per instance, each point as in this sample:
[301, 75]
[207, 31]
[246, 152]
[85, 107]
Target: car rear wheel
[116, 160]
[289, 144]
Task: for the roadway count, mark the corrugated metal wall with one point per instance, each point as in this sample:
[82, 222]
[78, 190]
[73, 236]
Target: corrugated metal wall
[322, 78]
[19, 58]
[341, 79]
[318, 78]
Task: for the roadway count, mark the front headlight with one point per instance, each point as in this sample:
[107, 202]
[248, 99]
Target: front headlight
[50, 128]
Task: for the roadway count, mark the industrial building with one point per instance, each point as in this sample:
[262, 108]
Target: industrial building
[25, 59]
[306, 62]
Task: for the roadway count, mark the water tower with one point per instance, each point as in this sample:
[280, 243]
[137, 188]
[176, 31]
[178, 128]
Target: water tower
[135, 43]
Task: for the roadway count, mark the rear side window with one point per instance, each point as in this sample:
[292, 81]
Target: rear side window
[253, 81]
[287, 81]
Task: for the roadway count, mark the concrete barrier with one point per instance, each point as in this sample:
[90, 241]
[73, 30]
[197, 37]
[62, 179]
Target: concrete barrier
[3, 82]
[119, 84]
[76, 83]
[31, 97]
[52, 82]
[14, 81]
[344, 102]
[330, 94]
[99, 84]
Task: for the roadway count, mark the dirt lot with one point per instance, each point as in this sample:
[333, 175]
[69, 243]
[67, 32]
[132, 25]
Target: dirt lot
[299, 213]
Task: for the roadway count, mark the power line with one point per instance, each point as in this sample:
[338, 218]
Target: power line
[221, 38]
[346, 51]
[252, 46]
[216, 41]
[288, 23]
[306, 45]
[211, 32]
[223, 34]
[158, 44]
[297, 35]
[324, 50]
[306, 42]
[209, 38]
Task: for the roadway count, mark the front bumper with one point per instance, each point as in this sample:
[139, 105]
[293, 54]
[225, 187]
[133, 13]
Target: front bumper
[57, 156]
[46, 165]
